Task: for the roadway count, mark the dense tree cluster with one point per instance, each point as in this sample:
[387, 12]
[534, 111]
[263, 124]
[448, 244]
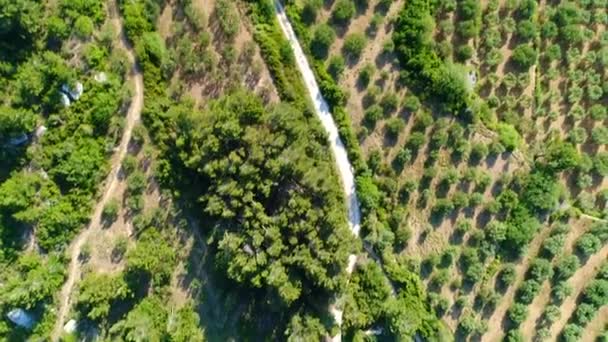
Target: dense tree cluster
[256, 169]
[426, 73]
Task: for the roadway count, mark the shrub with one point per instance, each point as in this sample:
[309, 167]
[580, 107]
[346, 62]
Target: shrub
[572, 333]
[464, 52]
[508, 136]
[442, 207]
[541, 270]
[372, 115]
[596, 293]
[600, 135]
[389, 103]
[588, 244]
[366, 74]
[507, 275]
[393, 127]
[322, 39]
[228, 17]
[121, 244]
[584, 313]
[354, 44]
[136, 183]
[518, 313]
[110, 210]
[336, 66]
[528, 290]
[598, 112]
[84, 27]
[514, 336]
[561, 291]
[524, 56]
[479, 151]
[526, 30]
[310, 11]
[553, 245]
[566, 267]
[343, 11]
[551, 314]
[600, 163]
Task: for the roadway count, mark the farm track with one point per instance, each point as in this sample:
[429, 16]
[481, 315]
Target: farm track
[133, 116]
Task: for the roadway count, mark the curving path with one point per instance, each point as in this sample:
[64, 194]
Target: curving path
[337, 147]
[133, 116]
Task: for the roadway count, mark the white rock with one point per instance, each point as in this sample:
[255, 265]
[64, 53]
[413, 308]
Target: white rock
[40, 130]
[65, 100]
[77, 92]
[70, 326]
[100, 77]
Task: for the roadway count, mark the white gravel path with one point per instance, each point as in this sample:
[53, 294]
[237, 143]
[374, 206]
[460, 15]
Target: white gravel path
[337, 147]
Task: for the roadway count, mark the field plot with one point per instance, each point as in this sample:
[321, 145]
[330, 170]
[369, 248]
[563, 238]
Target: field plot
[498, 198]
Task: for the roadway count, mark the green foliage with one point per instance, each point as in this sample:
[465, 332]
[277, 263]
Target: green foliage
[394, 126]
[596, 293]
[588, 244]
[33, 281]
[97, 294]
[336, 66]
[310, 11]
[146, 321]
[369, 292]
[110, 210]
[84, 27]
[517, 313]
[566, 266]
[572, 332]
[305, 328]
[262, 205]
[426, 73]
[228, 17]
[354, 44]
[524, 56]
[366, 73]
[343, 11]
[152, 258]
[508, 136]
[323, 37]
[541, 270]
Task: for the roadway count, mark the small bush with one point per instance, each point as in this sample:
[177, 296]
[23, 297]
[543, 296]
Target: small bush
[524, 56]
[110, 210]
[343, 11]
[354, 44]
[366, 74]
[518, 313]
[393, 127]
[322, 39]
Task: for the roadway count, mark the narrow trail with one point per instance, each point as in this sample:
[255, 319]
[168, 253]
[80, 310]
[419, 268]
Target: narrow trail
[133, 116]
[337, 147]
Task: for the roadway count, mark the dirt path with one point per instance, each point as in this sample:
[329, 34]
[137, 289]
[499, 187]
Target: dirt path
[578, 282]
[133, 116]
[495, 330]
